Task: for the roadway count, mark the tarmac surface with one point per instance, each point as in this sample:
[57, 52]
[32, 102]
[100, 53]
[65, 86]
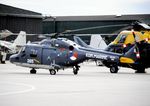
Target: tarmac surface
[93, 86]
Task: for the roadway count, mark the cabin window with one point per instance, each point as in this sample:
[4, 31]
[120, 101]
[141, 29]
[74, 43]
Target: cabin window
[122, 39]
[33, 55]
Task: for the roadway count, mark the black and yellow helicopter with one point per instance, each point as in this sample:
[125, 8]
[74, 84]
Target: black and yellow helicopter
[125, 39]
[136, 57]
[137, 38]
[60, 53]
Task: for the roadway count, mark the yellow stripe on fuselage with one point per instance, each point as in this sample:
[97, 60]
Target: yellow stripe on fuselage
[126, 60]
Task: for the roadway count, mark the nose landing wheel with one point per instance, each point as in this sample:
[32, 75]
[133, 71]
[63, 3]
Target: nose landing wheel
[75, 70]
[52, 72]
[32, 71]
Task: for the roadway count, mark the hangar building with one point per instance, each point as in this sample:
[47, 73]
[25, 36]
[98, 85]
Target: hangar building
[16, 19]
[62, 23]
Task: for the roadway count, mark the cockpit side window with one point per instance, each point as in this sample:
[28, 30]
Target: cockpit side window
[122, 39]
[48, 43]
[22, 50]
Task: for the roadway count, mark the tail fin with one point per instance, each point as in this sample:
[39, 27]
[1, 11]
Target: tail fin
[80, 42]
[97, 42]
[21, 39]
[5, 33]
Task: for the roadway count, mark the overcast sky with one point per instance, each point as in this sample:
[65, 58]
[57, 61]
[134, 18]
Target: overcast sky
[82, 7]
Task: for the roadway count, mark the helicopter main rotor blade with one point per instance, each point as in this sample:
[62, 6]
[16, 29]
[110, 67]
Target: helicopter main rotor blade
[125, 26]
[137, 51]
[97, 27]
[141, 25]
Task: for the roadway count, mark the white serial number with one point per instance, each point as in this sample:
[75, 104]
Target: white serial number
[31, 61]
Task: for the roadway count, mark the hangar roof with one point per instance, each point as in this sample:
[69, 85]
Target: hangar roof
[6, 10]
[100, 18]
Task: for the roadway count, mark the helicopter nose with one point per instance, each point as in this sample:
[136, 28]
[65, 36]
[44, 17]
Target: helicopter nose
[14, 58]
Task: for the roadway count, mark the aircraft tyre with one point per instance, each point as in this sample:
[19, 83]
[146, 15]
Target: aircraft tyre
[140, 70]
[75, 70]
[114, 69]
[32, 71]
[3, 62]
[52, 72]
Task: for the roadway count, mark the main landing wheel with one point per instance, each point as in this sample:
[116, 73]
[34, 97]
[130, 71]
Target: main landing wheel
[75, 70]
[140, 70]
[3, 62]
[52, 72]
[32, 71]
[114, 69]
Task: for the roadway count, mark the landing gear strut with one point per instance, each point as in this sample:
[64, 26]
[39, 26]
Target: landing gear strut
[114, 69]
[2, 57]
[52, 71]
[76, 69]
[32, 71]
[3, 62]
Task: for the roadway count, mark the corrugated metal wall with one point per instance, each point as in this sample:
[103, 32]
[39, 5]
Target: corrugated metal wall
[61, 26]
[16, 24]
[48, 27]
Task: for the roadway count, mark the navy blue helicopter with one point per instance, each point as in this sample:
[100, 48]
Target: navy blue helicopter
[60, 53]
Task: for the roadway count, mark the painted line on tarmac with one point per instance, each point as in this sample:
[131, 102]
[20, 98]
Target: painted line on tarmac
[30, 88]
